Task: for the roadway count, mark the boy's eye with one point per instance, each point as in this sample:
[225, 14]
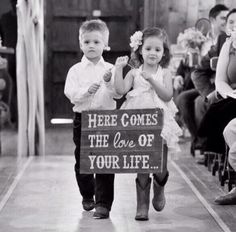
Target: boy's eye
[96, 42]
[86, 42]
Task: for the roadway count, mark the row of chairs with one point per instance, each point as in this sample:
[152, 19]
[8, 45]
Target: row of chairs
[218, 164]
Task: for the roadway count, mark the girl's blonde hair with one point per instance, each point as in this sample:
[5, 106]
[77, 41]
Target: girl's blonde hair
[136, 58]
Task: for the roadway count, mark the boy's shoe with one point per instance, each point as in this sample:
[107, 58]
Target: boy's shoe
[88, 204]
[101, 213]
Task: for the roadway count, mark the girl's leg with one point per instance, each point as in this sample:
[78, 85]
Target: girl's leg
[159, 181]
[143, 184]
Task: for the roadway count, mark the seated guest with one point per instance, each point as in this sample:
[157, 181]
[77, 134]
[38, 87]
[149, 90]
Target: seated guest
[191, 112]
[184, 92]
[222, 112]
[230, 138]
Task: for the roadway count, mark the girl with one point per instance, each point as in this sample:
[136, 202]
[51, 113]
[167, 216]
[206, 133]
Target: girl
[151, 87]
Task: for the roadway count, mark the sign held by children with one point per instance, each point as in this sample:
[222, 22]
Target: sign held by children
[122, 141]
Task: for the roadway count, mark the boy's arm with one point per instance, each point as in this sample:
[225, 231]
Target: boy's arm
[73, 91]
[108, 79]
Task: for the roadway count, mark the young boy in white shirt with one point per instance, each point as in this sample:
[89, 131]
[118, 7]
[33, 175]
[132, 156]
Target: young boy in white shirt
[89, 86]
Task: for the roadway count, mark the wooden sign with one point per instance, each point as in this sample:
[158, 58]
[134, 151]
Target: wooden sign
[122, 141]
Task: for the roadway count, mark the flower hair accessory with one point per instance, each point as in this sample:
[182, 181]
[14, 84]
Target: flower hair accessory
[136, 40]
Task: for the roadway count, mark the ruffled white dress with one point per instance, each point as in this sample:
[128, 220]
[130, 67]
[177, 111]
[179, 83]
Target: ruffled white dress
[143, 96]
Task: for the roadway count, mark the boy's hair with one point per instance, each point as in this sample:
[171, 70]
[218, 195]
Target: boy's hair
[137, 59]
[215, 11]
[231, 12]
[95, 25]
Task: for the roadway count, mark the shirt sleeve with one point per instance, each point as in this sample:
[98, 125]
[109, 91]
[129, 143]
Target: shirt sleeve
[110, 86]
[73, 91]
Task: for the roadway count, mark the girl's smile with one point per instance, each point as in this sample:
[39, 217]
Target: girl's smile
[152, 50]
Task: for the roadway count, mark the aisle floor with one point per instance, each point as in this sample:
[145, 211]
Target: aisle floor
[39, 194]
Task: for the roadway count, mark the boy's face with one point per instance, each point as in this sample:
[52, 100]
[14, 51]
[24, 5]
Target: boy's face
[92, 45]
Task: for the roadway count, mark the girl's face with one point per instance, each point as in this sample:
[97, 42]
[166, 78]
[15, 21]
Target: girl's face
[231, 25]
[152, 50]
[92, 45]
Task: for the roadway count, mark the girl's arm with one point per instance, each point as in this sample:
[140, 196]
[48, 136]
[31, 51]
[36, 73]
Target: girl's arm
[122, 86]
[221, 80]
[165, 92]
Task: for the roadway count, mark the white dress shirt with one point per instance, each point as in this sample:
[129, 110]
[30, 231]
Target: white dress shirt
[80, 77]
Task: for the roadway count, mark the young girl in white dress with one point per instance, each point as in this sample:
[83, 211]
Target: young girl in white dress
[151, 85]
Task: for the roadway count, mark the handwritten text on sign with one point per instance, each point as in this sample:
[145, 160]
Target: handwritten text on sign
[114, 141]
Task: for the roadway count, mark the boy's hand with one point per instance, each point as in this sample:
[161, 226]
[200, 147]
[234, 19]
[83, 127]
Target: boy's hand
[107, 76]
[122, 61]
[93, 88]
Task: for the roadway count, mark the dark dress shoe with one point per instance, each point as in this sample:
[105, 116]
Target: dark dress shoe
[101, 213]
[88, 204]
[228, 199]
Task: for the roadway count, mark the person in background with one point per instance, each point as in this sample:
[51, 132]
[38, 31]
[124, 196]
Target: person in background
[204, 75]
[222, 112]
[8, 34]
[151, 84]
[89, 86]
[190, 103]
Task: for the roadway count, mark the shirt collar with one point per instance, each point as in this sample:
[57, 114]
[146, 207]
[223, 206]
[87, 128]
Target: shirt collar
[85, 62]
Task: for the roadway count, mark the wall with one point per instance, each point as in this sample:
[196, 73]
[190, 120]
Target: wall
[4, 6]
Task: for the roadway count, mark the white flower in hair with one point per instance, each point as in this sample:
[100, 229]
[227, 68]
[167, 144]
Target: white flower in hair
[136, 40]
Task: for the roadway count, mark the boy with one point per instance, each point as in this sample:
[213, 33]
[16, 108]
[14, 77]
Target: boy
[87, 90]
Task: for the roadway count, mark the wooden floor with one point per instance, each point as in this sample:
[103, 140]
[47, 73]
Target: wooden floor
[40, 194]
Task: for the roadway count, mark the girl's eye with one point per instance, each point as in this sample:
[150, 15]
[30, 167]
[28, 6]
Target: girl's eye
[86, 42]
[96, 42]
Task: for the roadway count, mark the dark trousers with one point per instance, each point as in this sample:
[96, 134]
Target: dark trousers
[100, 185]
[185, 104]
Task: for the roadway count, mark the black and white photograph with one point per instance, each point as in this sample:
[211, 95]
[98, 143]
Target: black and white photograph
[118, 115]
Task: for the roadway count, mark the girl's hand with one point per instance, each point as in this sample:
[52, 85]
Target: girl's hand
[93, 88]
[107, 75]
[146, 76]
[122, 61]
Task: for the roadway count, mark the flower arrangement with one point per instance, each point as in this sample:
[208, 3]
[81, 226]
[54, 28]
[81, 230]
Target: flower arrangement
[136, 40]
[191, 38]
